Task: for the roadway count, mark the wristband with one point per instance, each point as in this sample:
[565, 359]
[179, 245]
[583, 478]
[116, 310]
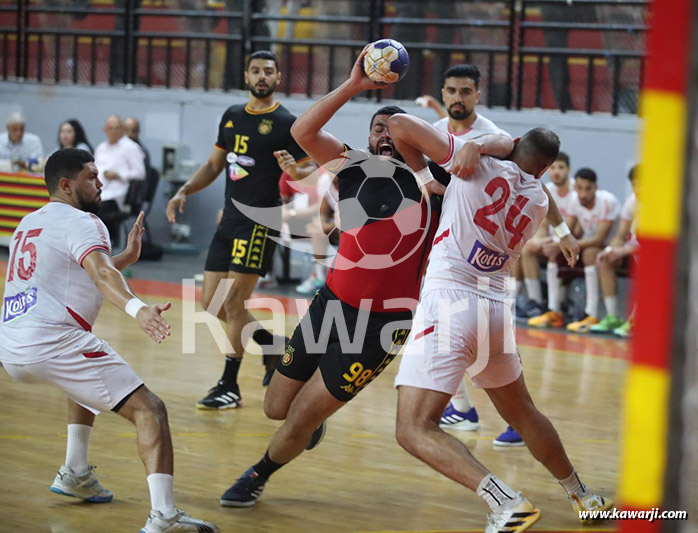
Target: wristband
[133, 306]
[562, 230]
[608, 249]
[424, 176]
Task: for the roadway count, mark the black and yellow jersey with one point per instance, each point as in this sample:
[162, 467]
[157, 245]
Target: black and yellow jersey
[252, 174]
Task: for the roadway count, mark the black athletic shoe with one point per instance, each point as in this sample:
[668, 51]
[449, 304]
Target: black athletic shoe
[270, 362]
[531, 310]
[222, 396]
[245, 491]
[317, 436]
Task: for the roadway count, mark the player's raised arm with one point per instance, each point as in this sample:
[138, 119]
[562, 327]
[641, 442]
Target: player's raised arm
[320, 145]
[206, 175]
[114, 288]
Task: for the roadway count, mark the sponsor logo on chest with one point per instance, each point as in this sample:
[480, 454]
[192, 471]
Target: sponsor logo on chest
[486, 260]
[19, 304]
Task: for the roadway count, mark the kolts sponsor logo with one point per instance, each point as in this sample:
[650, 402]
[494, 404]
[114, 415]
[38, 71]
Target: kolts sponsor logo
[19, 304]
[486, 260]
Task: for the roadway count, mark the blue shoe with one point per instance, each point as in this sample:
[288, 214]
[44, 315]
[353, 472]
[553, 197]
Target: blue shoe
[454, 419]
[509, 438]
[246, 490]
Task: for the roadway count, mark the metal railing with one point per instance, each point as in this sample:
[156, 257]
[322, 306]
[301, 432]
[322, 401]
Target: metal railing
[587, 55]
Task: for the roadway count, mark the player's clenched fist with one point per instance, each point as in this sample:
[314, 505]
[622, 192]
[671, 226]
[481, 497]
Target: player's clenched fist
[151, 321]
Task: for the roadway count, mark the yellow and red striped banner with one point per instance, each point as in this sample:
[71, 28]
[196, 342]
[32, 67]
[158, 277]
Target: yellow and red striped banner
[661, 176]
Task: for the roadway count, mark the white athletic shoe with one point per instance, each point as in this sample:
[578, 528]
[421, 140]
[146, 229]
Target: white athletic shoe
[180, 521]
[589, 502]
[85, 487]
[518, 515]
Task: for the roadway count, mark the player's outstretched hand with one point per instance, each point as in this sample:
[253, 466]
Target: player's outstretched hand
[358, 77]
[151, 321]
[135, 239]
[570, 249]
[177, 202]
[466, 161]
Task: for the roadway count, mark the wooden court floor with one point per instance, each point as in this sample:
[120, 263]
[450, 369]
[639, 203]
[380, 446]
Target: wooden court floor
[357, 480]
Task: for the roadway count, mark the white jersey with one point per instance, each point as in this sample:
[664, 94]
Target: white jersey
[563, 202]
[485, 222]
[606, 209]
[627, 213]
[48, 295]
[481, 126]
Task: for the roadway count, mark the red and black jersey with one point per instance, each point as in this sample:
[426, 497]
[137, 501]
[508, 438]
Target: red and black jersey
[387, 231]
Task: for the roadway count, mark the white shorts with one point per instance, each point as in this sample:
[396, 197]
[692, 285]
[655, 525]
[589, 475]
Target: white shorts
[472, 334]
[99, 380]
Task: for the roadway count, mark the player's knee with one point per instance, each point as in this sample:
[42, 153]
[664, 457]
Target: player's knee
[274, 410]
[407, 431]
[234, 302]
[589, 256]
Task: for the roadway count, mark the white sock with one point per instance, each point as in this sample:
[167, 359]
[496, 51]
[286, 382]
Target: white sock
[495, 492]
[162, 493]
[592, 280]
[533, 290]
[319, 271]
[460, 399]
[611, 303]
[78, 445]
[553, 287]
[572, 484]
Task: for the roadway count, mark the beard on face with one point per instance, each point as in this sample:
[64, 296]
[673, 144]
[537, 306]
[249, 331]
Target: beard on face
[460, 114]
[262, 93]
[90, 206]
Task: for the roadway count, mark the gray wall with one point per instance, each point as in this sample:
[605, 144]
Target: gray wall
[190, 119]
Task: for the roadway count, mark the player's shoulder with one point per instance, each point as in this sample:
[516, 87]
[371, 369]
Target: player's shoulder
[484, 125]
[442, 124]
[233, 110]
[607, 196]
[281, 112]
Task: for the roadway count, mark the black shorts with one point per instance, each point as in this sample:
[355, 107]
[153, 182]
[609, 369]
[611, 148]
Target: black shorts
[241, 246]
[346, 367]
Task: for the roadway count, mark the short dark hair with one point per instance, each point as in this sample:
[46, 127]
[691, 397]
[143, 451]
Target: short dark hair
[542, 145]
[262, 54]
[65, 163]
[387, 110]
[632, 173]
[562, 156]
[586, 174]
[463, 70]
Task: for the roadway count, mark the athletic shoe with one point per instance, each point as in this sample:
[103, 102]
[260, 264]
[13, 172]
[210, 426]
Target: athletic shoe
[583, 325]
[549, 319]
[625, 330]
[607, 325]
[518, 515]
[180, 521]
[455, 419]
[222, 396]
[86, 487]
[310, 285]
[531, 309]
[317, 436]
[267, 283]
[509, 438]
[270, 362]
[245, 491]
[589, 502]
